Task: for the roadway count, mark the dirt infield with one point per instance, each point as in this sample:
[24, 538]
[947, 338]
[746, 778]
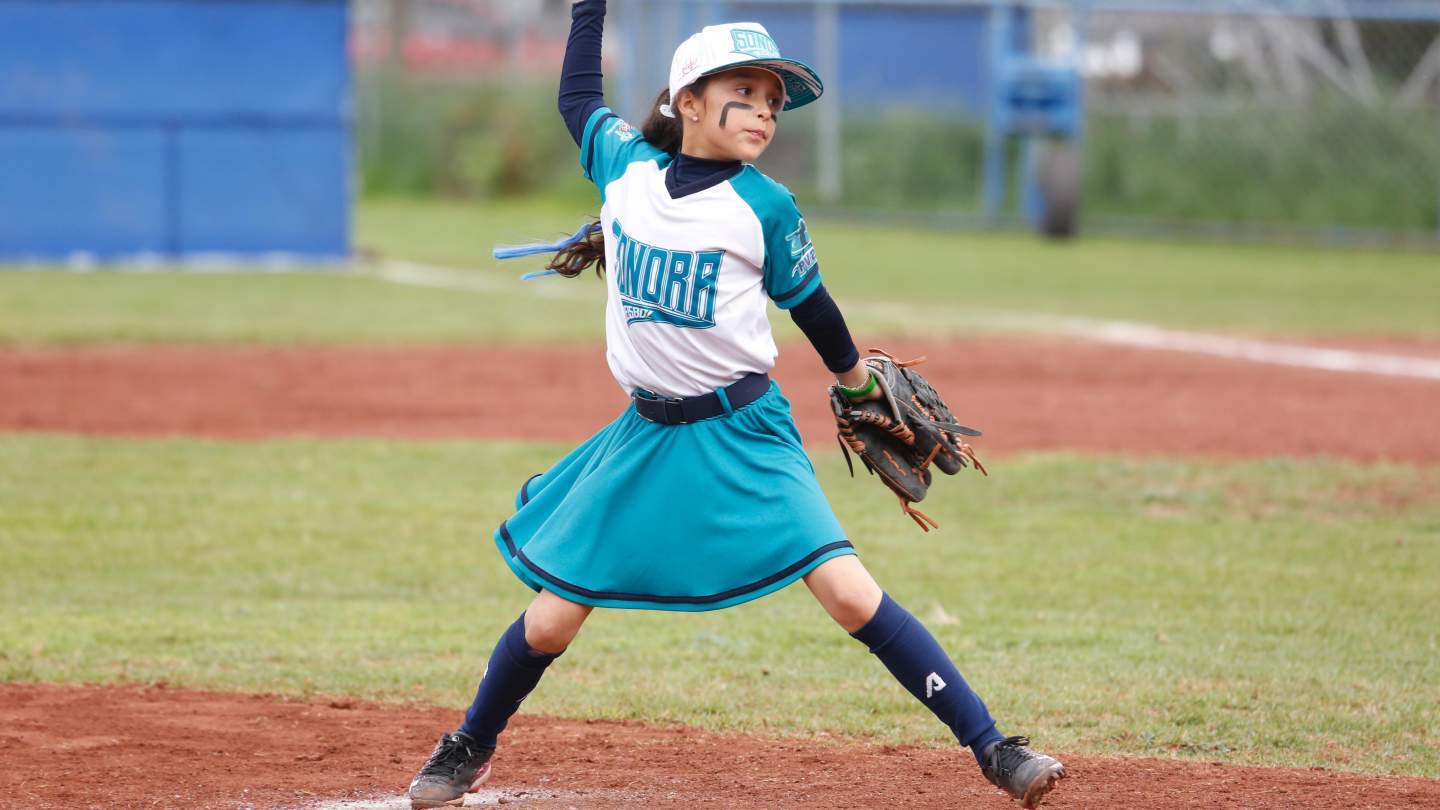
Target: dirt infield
[1026, 393]
[141, 747]
[134, 747]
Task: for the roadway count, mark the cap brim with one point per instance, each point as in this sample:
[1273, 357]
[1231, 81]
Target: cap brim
[802, 83]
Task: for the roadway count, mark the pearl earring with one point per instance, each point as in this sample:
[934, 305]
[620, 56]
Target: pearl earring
[694, 118]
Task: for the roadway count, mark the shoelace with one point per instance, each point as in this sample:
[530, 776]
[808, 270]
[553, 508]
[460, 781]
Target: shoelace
[1009, 754]
[449, 754]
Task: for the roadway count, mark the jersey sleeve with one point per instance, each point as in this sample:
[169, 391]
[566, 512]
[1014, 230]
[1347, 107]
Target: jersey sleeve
[792, 273]
[608, 145]
[791, 270]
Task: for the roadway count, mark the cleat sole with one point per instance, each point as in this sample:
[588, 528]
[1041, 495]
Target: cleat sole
[480, 778]
[1042, 785]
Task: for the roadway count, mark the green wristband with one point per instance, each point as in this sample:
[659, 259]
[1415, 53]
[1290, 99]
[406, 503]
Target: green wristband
[856, 393]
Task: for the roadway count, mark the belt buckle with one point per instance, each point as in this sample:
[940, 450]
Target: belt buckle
[670, 411]
[674, 411]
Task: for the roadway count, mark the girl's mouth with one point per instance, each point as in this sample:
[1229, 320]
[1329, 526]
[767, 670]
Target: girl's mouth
[759, 134]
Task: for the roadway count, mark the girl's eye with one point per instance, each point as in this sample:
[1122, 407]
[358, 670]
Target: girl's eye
[744, 91]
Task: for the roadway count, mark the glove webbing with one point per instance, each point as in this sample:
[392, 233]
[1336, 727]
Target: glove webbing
[849, 442]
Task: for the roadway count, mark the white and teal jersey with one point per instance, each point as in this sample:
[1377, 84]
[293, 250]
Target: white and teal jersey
[688, 279]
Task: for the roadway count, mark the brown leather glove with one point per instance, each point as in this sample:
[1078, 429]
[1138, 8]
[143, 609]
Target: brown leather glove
[902, 433]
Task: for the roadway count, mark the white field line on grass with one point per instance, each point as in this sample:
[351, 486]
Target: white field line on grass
[1256, 351]
[449, 278]
[1149, 336]
[1122, 333]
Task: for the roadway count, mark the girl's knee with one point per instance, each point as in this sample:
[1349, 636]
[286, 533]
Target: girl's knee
[846, 591]
[551, 623]
[853, 607]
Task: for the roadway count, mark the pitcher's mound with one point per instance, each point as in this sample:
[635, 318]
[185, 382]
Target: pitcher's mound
[142, 747]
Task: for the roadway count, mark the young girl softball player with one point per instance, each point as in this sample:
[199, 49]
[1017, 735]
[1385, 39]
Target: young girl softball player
[699, 495]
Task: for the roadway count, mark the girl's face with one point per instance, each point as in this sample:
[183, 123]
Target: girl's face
[734, 116]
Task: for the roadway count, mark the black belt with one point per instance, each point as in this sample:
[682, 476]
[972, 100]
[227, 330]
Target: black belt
[740, 393]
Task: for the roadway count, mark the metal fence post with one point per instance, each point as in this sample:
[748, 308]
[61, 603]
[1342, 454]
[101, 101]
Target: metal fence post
[631, 42]
[829, 172]
[993, 184]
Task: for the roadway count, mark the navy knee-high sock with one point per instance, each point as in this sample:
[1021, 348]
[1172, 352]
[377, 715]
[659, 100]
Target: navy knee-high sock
[515, 668]
[916, 660]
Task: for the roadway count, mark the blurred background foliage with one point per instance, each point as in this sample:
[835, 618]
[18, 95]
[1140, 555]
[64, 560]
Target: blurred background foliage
[1324, 120]
[488, 140]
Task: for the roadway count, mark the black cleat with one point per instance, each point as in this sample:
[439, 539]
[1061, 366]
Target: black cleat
[458, 766]
[1024, 774]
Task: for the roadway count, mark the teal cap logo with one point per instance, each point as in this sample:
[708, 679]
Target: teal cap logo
[757, 44]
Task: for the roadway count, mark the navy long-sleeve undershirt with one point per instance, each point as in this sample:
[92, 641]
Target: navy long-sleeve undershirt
[819, 318]
[582, 89]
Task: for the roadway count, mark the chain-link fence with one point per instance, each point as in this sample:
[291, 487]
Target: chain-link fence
[1263, 121]
[1239, 117]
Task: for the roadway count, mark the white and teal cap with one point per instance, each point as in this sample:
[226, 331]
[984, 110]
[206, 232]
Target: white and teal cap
[743, 44]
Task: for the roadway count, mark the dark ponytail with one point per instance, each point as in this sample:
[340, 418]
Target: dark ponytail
[663, 133]
[571, 261]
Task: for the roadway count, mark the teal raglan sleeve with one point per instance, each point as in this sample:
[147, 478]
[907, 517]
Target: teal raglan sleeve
[608, 145]
[791, 270]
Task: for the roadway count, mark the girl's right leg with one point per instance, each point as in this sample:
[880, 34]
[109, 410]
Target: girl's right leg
[461, 761]
[854, 600]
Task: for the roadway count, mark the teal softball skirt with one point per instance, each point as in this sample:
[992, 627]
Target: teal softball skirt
[675, 517]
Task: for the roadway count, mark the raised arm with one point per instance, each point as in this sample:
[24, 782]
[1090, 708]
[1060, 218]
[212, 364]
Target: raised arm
[581, 86]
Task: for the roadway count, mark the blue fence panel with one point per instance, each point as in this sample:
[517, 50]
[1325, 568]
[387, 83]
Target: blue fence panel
[81, 189]
[256, 191]
[213, 125]
[927, 56]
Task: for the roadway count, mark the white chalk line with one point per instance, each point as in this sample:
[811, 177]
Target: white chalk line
[1149, 336]
[417, 274]
[1256, 351]
[485, 797]
[1121, 333]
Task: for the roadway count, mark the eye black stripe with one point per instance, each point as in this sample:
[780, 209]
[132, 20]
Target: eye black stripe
[725, 112]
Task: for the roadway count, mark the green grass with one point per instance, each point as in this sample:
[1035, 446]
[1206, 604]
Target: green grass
[888, 280]
[1261, 612]
[956, 276]
[323, 306]
[319, 307]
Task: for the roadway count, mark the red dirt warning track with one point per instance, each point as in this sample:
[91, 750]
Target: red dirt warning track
[141, 747]
[1025, 393]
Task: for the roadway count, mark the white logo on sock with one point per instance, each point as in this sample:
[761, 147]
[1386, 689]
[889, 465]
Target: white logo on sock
[933, 683]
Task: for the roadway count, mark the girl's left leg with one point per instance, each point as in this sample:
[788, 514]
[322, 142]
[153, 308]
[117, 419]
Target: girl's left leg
[854, 600]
